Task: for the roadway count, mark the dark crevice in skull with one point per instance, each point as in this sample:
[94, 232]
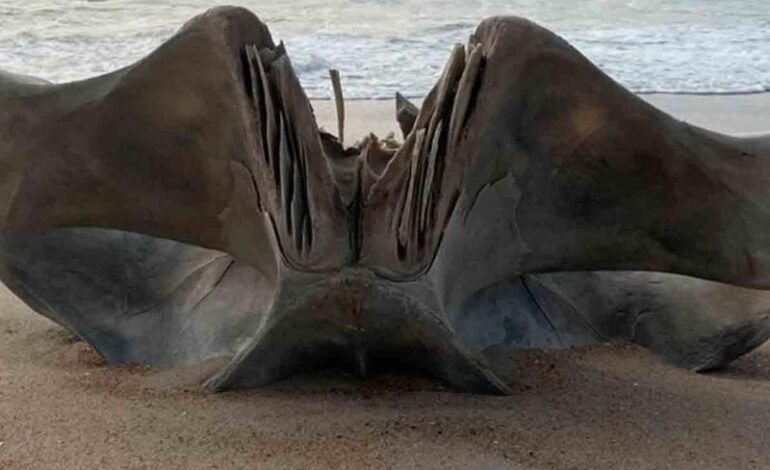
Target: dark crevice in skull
[431, 139]
[270, 77]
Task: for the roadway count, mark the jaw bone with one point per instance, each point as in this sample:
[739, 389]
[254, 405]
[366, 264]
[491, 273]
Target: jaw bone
[187, 208]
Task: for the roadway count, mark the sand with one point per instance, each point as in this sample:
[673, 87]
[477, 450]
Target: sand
[732, 114]
[604, 407]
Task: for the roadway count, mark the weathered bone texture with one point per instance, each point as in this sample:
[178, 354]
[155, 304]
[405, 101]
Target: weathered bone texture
[187, 208]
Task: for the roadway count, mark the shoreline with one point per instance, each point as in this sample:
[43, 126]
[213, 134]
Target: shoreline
[638, 93]
[729, 114]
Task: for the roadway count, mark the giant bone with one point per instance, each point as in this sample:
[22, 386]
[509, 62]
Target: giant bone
[188, 208]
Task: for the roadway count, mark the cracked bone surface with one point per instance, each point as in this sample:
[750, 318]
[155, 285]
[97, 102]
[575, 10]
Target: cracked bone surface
[187, 208]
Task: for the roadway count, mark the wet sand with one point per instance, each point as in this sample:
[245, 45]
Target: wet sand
[731, 114]
[604, 407]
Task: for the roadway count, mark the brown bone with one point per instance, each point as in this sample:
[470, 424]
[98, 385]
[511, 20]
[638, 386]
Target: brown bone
[187, 207]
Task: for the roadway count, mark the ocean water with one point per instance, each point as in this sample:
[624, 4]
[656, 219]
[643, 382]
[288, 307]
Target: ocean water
[384, 46]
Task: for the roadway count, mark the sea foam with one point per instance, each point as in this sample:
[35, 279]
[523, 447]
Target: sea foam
[380, 47]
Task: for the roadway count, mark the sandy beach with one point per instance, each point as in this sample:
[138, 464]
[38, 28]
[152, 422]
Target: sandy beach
[62, 407]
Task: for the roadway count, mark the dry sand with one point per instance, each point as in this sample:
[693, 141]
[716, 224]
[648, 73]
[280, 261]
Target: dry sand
[609, 407]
